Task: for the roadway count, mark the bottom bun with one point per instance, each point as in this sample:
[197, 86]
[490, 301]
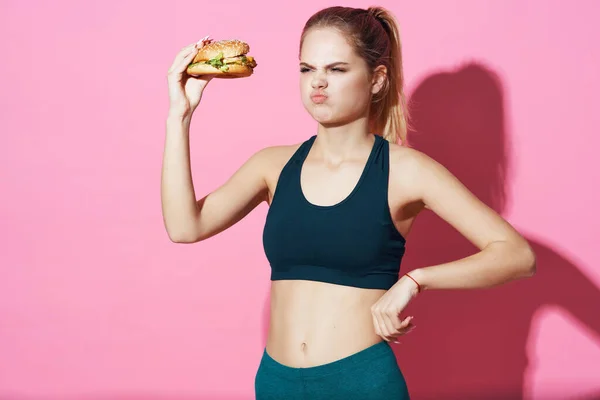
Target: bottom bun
[235, 70]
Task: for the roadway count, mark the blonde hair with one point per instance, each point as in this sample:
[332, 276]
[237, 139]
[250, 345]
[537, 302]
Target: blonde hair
[375, 36]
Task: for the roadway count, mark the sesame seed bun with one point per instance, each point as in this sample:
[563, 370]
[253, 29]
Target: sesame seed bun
[229, 48]
[224, 59]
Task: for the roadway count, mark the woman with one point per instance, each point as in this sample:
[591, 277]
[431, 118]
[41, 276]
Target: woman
[342, 204]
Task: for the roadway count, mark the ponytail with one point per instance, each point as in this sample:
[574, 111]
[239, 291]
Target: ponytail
[389, 112]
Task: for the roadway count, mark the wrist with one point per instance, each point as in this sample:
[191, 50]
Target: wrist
[179, 114]
[179, 117]
[417, 277]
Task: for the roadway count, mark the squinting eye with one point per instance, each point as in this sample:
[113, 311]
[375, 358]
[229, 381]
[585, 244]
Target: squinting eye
[302, 70]
[338, 70]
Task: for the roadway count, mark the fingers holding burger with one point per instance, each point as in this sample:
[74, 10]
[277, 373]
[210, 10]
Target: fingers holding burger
[223, 59]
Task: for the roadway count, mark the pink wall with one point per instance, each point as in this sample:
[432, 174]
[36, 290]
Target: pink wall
[96, 303]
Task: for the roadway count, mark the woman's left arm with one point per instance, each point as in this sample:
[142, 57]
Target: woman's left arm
[504, 254]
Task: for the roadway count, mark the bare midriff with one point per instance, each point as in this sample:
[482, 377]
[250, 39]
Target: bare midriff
[315, 323]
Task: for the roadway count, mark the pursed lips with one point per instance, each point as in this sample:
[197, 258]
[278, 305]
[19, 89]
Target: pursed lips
[318, 97]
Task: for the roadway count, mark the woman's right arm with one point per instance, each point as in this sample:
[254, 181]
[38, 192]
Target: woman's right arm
[187, 219]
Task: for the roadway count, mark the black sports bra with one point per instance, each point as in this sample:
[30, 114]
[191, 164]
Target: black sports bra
[352, 243]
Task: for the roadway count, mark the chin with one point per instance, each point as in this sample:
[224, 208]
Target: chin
[329, 118]
[325, 119]
[331, 122]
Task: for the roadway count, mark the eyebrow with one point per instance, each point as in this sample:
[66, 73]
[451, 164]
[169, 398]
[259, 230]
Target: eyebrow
[327, 66]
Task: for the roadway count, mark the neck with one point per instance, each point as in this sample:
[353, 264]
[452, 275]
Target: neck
[337, 143]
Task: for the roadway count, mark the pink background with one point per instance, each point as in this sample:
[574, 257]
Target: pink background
[97, 303]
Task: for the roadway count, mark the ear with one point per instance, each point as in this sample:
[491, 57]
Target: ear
[379, 78]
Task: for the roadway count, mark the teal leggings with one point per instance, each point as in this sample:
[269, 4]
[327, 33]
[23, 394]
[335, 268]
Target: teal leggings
[370, 374]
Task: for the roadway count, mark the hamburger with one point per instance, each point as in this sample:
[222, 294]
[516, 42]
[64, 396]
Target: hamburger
[224, 59]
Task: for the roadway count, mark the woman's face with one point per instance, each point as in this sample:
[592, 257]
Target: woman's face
[330, 67]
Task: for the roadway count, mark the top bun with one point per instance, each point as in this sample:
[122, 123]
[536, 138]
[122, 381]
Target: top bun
[229, 48]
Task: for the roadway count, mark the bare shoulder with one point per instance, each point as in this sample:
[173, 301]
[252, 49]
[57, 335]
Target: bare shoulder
[272, 160]
[406, 163]
[412, 170]
[277, 155]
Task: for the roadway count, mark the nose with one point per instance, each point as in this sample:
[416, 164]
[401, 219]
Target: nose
[318, 81]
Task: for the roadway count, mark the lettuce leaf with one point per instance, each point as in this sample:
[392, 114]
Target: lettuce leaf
[216, 61]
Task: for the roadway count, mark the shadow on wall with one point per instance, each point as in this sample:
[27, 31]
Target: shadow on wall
[472, 344]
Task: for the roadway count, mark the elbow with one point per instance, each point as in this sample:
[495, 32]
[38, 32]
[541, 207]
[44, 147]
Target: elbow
[183, 237]
[528, 262]
[178, 239]
[181, 233]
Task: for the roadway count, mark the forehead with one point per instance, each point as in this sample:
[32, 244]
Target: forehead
[326, 45]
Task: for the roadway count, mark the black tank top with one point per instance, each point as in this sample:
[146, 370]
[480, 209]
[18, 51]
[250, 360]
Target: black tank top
[351, 243]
